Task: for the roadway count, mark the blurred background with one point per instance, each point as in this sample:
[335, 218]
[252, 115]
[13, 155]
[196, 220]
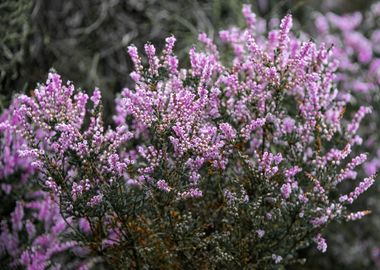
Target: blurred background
[86, 42]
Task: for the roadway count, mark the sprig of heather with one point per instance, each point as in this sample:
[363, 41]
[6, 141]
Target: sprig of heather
[220, 165]
[355, 38]
[32, 230]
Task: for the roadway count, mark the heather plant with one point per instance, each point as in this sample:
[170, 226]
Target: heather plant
[355, 38]
[32, 230]
[222, 165]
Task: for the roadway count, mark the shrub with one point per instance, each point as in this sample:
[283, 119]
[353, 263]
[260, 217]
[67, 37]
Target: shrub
[220, 165]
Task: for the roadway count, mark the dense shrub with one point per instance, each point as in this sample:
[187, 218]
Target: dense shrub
[224, 164]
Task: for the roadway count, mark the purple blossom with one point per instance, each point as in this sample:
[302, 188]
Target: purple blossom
[96, 200]
[321, 243]
[162, 185]
[276, 258]
[286, 190]
[191, 193]
[228, 131]
[249, 16]
[354, 125]
[357, 215]
[96, 97]
[363, 186]
[285, 26]
[260, 233]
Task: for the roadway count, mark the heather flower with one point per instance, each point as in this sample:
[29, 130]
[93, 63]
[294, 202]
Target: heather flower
[195, 152]
[354, 125]
[162, 185]
[349, 172]
[357, 215]
[96, 97]
[285, 26]
[276, 258]
[249, 16]
[260, 233]
[321, 243]
[286, 189]
[363, 186]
